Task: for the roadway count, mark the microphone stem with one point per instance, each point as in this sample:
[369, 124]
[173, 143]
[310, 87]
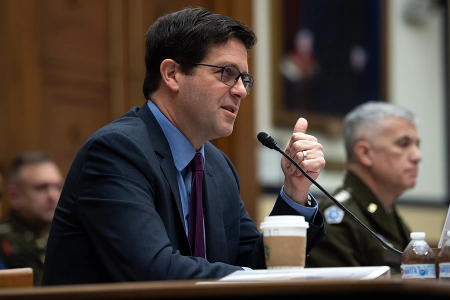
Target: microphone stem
[383, 243]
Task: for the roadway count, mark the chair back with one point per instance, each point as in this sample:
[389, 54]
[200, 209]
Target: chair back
[20, 277]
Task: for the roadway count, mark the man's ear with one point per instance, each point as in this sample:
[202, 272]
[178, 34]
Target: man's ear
[363, 153]
[14, 197]
[169, 69]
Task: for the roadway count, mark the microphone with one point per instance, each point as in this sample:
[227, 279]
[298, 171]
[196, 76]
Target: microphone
[267, 141]
[270, 143]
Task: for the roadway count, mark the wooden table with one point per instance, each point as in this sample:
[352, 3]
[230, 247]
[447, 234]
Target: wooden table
[392, 288]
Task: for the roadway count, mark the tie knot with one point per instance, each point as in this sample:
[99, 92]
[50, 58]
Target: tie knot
[197, 162]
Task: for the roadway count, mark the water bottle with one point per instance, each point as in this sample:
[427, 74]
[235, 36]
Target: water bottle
[444, 260]
[418, 261]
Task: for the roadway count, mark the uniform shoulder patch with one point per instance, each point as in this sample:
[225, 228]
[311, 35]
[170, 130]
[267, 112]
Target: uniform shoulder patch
[333, 214]
[342, 196]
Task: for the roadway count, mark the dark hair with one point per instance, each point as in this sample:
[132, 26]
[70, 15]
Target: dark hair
[186, 36]
[26, 158]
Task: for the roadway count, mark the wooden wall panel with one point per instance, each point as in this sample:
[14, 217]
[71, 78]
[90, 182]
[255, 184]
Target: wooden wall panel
[3, 91]
[21, 98]
[118, 90]
[3, 82]
[74, 30]
[74, 63]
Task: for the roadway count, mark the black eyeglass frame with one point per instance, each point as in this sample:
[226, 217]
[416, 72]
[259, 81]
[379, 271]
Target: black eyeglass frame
[247, 79]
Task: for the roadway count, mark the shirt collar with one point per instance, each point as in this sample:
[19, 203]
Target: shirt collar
[359, 189]
[182, 150]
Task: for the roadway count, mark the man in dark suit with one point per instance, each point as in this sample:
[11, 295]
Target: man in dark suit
[124, 213]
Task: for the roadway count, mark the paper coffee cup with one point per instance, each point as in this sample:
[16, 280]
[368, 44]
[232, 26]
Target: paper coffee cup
[284, 241]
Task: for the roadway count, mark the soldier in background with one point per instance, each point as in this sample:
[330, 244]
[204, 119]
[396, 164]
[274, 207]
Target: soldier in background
[34, 187]
[383, 155]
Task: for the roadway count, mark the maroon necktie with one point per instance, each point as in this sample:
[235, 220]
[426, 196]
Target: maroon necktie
[196, 238]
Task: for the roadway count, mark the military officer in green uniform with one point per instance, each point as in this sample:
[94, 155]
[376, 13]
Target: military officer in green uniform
[383, 155]
[34, 187]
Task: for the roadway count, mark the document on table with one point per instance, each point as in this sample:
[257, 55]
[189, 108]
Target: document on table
[362, 273]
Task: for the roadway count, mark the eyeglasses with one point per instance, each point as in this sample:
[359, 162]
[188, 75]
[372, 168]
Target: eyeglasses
[230, 76]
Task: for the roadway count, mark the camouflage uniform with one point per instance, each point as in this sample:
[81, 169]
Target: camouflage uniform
[21, 247]
[348, 244]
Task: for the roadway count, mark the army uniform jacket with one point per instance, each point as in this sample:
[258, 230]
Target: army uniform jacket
[21, 247]
[347, 243]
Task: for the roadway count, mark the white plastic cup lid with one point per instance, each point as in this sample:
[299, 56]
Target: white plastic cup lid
[284, 218]
[417, 235]
[284, 221]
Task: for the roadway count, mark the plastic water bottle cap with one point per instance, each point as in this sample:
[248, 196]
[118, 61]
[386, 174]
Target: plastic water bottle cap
[417, 235]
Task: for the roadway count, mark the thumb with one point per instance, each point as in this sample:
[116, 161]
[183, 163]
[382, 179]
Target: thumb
[301, 125]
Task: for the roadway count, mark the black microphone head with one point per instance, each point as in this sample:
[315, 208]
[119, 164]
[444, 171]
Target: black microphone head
[267, 140]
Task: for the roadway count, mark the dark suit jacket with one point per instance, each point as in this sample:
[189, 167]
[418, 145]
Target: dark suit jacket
[120, 218]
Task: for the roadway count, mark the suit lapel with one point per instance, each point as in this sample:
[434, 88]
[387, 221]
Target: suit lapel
[169, 171]
[216, 248]
[162, 149]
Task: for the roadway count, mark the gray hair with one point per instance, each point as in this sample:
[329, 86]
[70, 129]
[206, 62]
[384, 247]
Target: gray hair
[366, 117]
